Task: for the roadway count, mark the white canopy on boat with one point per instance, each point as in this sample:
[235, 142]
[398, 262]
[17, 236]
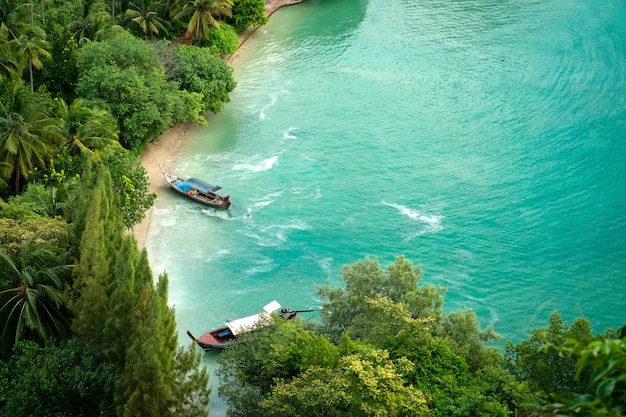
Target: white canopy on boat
[254, 321]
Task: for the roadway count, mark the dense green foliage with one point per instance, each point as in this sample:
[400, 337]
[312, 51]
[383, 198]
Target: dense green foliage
[125, 77]
[198, 71]
[385, 347]
[545, 369]
[395, 353]
[246, 13]
[29, 134]
[34, 306]
[78, 377]
[224, 39]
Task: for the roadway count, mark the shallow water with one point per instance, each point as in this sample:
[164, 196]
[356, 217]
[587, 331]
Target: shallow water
[484, 140]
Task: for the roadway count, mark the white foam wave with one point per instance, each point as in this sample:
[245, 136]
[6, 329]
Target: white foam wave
[326, 264]
[295, 225]
[272, 196]
[168, 222]
[493, 316]
[287, 133]
[266, 200]
[261, 240]
[273, 99]
[263, 203]
[261, 166]
[261, 265]
[431, 222]
[222, 252]
[221, 214]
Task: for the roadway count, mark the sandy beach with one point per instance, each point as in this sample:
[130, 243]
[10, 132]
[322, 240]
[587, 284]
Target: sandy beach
[161, 151]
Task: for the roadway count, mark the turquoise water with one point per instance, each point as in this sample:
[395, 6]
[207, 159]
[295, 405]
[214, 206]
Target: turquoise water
[484, 140]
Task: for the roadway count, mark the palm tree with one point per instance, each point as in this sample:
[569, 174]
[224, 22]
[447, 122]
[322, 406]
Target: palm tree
[14, 15]
[201, 15]
[29, 137]
[35, 306]
[31, 46]
[9, 67]
[86, 128]
[147, 19]
[93, 24]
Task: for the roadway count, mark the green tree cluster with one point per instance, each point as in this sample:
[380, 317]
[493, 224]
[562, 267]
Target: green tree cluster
[384, 347]
[545, 369]
[118, 352]
[247, 13]
[71, 379]
[604, 362]
[198, 71]
[117, 307]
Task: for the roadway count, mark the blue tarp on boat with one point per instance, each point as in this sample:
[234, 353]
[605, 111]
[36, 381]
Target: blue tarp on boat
[198, 184]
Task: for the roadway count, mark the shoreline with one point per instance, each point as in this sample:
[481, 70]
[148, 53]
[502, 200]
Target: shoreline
[161, 151]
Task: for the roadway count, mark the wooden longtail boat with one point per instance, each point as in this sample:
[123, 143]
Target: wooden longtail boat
[223, 336]
[198, 190]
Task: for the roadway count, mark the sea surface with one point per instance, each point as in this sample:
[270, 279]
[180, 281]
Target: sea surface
[484, 140]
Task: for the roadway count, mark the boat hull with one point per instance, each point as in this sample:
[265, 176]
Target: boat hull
[214, 339]
[224, 336]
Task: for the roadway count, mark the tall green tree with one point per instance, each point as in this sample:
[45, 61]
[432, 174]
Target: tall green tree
[191, 391]
[100, 240]
[148, 373]
[117, 307]
[35, 307]
[128, 277]
[200, 15]
[33, 46]
[542, 366]
[364, 281]
[29, 136]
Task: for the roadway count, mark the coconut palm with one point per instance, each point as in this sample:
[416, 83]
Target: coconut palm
[86, 128]
[14, 15]
[32, 47]
[201, 15]
[34, 308]
[9, 66]
[29, 137]
[141, 13]
[93, 24]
